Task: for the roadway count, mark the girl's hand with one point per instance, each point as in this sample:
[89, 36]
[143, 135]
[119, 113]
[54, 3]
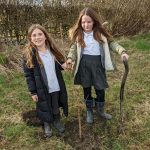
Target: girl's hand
[69, 61]
[70, 64]
[124, 55]
[64, 66]
[35, 98]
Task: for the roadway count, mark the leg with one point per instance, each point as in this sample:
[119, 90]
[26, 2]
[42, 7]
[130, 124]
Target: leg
[56, 113]
[87, 93]
[100, 101]
[54, 103]
[47, 129]
[89, 104]
[47, 125]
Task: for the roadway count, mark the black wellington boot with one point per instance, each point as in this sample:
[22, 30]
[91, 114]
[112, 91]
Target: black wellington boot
[57, 124]
[47, 130]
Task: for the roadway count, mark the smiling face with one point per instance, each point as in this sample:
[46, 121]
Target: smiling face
[38, 38]
[87, 23]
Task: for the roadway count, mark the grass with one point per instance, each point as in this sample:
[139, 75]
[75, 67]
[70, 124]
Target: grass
[139, 43]
[17, 132]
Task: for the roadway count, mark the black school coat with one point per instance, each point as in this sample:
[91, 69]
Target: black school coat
[37, 84]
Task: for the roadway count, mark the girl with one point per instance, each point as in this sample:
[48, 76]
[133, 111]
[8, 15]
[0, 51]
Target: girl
[90, 57]
[42, 69]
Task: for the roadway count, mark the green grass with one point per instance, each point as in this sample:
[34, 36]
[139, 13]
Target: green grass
[139, 43]
[16, 133]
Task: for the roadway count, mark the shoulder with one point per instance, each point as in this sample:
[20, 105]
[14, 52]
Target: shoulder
[108, 39]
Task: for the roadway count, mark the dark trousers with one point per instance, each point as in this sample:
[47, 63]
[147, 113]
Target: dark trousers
[100, 94]
[53, 102]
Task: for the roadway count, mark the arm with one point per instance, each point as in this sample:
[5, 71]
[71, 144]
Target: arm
[72, 52]
[119, 49]
[72, 56]
[28, 73]
[116, 47]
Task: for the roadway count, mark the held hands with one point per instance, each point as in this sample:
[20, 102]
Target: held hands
[64, 66]
[68, 65]
[34, 98]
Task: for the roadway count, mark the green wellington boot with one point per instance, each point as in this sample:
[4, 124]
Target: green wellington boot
[100, 110]
[89, 113]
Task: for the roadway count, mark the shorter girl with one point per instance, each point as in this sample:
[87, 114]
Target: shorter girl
[42, 69]
[90, 55]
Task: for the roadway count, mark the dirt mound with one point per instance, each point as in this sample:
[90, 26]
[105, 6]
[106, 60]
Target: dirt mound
[30, 118]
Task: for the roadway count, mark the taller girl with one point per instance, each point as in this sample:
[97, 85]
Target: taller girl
[90, 56]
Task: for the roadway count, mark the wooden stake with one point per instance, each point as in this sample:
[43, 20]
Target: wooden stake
[79, 121]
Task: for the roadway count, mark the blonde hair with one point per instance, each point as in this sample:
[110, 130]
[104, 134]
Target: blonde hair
[76, 32]
[28, 50]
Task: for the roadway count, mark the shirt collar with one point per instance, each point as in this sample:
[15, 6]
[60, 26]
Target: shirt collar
[88, 34]
[45, 53]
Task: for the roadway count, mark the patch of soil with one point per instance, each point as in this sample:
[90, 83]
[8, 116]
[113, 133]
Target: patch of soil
[31, 119]
[90, 140]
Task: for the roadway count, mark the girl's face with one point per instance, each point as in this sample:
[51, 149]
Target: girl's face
[38, 38]
[87, 23]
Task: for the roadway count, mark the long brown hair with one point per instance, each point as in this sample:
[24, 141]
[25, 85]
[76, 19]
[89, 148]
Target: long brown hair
[76, 32]
[28, 50]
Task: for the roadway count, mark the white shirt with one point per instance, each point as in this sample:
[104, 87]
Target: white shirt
[92, 46]
[49, 66]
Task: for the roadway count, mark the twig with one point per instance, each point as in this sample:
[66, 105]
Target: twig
[79, 121]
